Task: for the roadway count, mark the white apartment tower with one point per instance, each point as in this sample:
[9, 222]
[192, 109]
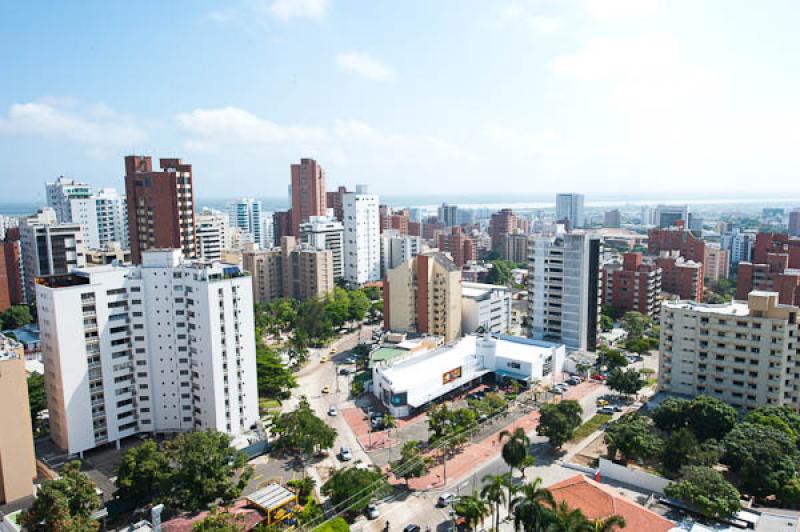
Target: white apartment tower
[245, 214]
[570, 207]
[564, 289]
[325, 232]
[48, 248]
[397, 249]
[362, 248]
[742, 352]
[166, 346]
[212, 234]
[103, 217]
[61, 192]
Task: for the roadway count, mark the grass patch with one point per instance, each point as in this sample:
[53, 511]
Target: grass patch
[590, 426]
[267, 406]
[651, 381]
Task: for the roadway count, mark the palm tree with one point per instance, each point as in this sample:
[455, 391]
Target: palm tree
[531, 509]
[565, 519]
[516, 448]
[493, 491]
[609, 524]
[472, 508]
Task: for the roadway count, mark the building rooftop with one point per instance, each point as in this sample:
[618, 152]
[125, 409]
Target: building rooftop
[10, 349]
[733, 308]
[479, 290]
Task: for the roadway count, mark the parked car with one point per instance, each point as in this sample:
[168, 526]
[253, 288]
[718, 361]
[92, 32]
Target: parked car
[332, 411]
[326, 389]
[573, 381]
[323, 359]
[345, 455]
[599, 377]
[372, 511]
[412, 528]
[445, 499]
[606, 410]
[601, 402]
[344, 371]
[617, 408]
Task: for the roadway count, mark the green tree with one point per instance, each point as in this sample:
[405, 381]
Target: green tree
[358, 486]
[627, 382]
[606, 323]
[609, 524]
[143, 474]
[204, 469]
[531, 507]
[412, 463]
[275, 380]
[782, 417]
[302, 430]
[494, 492]
[337, 524]
[632, 436]
[500, 272]
[790, 493]
[303, 487]
[220, 521]
[313, 322]
[765, 458]
[15, 316]
[557, 422]
[707, 491]
[337, 306]
[472, 509]
[635, 324]
[672, 414]
[638, 345]
[709, 417]
[515, 448]
[359, 304]
[37, 397]
[681, 448]
[64, 504]
[613, 358]
[566, 519]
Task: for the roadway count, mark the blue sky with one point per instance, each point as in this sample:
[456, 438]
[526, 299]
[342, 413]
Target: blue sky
[609, 97]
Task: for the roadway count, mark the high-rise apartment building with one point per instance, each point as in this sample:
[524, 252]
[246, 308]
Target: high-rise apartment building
[167, 346]
[461, 247]
[103, 217]
[634, 284]
[424, 296]
[213, 234]
[775, 267]
[501, 224]
[292, 270]
[335, 201]
[397, 249]
[515, 247]
[744, 353]
[397, 221]
[680, 277]
[564, 289]
[11, 289]
[362, 239]
[676, 239]
[612, 218]
[60, 194]
[794, 222]
[716, 264]
[739, 245]
[281, 226]
[48, 248]
[569, 207]
[448, 214]
[325, 232]
[308, 192]
[111, 253]
[245, 213]
[666, 215]
[17, 459]
[160, 206]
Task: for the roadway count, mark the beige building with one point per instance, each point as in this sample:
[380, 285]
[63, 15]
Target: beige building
[113, 251]
[716, 264]
[17, 459]
[424, 296]
[292, 270]
[744, 353]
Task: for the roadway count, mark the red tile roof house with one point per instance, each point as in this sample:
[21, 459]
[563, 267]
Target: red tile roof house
[596, 500]
[248, 516]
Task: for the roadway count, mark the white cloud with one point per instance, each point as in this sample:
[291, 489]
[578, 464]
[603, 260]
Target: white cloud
[526, 14]
[621, 10]
[289, 9]
[97, 126]
[365, 66]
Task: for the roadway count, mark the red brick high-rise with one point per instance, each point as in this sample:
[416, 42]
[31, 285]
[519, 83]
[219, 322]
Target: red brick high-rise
[281, 226]
[394, 220]
[160, 206]
[678, 239]
[335, 201]
[633, 285]
[502, 223]
[681, 277]
[776, 261]
[10, 272]
[461, 247]
[309, 197]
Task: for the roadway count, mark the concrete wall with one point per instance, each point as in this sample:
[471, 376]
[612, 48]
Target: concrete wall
[638, 479]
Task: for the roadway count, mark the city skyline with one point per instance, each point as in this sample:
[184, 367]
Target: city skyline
[616, 97]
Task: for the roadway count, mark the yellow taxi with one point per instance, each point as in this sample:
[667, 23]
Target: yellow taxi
[602, 402]
[333, 350]
[323, 359]
[326, 389]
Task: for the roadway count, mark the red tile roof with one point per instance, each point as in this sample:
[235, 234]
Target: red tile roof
[248, 518]
[596, 500]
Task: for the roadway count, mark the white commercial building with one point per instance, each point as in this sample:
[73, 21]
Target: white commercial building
[362, 237]
[48, 248]
[167, 346]
[742, 352]
[397, 249]
[245, 214]
[60, 194]
[212, 233]
[103, 217]
[570, 207]
[408, 383]
[487, 306]
[564, 289]
[325, 232]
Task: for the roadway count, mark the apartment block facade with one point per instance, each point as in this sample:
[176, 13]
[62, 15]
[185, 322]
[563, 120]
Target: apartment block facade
[775, 267]
[716, 265]
[167, 346]
[362, 245]
[461, 247]
[676, 238]
[103, 216]
[60, 194]
[680, 277]
[309, 197]
[569, 208]
[11, 289]
[397, 249]
[633, 284]
[245, 214]
[213, 234]
[326, 232]
[744, 353]
[485, 306]
[424, 296]
[160, 206]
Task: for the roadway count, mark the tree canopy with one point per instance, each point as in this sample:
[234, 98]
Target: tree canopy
[275, 379]
[412, 463]
[66, 503]
[15, 316]
[302, 430]
[557, 422]
[515, 448]
[708, 491]
[708, 417]
[143, 474]
[631, 436]
[352, 489]
[627, 382]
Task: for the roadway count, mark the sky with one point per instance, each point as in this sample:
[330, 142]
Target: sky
[606, 97]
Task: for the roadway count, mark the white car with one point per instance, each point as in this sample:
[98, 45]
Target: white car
[345, 455]
[332, 411]
[445, 499]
